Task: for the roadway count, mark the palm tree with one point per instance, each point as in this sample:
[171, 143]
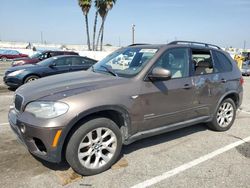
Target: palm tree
[95, 22]
[85, 6]
[104, 7]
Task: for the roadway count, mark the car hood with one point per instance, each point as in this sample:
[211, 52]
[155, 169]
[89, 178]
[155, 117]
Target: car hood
[65, 85]
[12, 69]
[27, 60]
[21, 58]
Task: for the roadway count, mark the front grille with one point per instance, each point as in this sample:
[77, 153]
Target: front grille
[18, 102]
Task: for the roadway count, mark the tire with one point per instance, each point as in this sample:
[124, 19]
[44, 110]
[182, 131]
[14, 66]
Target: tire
[31, 78]
[3, 58]
[82, 158]
[224, 116]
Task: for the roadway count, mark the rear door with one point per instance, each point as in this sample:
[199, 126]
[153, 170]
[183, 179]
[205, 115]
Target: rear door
[223, 67]
[80, 63]
[168, 102]
[208, 82]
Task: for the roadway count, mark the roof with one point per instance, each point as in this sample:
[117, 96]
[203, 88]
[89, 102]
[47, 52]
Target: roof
[199, 45]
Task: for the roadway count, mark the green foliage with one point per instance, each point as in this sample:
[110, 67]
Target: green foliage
[102, 8]
[85, 5]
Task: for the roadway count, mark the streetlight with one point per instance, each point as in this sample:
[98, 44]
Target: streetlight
[133, 33]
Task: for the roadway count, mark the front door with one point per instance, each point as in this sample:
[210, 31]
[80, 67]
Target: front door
[168, 102]
[60, 65]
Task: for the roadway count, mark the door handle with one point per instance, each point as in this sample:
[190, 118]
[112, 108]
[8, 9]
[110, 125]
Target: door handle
[187, 86]
[223, 80]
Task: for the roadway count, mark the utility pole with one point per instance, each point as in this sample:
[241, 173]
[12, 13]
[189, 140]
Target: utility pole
[133, 33]
[119, 44]
[244, 46]
[41, 37]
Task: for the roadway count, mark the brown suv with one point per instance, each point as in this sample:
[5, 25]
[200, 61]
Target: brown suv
[136, 92]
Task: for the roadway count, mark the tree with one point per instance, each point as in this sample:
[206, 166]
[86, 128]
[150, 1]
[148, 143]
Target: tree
[85, 6]
[95, 22]
[104, 6]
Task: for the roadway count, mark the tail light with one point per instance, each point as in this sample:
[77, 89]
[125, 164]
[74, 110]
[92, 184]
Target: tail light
[241, 81]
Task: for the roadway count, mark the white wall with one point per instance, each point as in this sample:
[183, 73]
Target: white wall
[81, 49]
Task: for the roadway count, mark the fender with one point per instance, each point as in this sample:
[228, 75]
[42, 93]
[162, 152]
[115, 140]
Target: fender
[234, 92]
[66, 131]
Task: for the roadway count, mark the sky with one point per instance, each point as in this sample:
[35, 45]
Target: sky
[221, 22]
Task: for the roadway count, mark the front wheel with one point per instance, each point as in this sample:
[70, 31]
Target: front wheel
[94, 146]
[31, 78]
[224, 117]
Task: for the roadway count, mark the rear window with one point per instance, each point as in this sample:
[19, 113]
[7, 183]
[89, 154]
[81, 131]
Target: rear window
[221, 62]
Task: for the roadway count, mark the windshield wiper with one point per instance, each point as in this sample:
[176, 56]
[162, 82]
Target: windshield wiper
[109, 70]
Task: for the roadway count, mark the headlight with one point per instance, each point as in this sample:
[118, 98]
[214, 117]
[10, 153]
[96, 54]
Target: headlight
[16, 72]
[44, 109]
[18, 62]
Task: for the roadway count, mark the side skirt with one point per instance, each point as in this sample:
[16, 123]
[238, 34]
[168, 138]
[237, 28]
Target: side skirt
[166, 128]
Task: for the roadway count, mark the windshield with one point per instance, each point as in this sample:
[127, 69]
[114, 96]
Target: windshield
[36, 55]
[47, 62]
[125, 62]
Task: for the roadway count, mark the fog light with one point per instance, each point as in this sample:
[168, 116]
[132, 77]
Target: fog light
[23, 128]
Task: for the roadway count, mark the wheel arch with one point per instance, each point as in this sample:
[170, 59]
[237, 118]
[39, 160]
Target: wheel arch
[30, 74]
[117, 114]
[232, 95]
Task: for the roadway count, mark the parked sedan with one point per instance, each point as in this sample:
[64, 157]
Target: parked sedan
[16, 76]
[39, 56]
[245, 70]
[11, 54]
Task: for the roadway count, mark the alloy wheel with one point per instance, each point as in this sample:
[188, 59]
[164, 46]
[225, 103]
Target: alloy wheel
[225, 114]
[97, 148]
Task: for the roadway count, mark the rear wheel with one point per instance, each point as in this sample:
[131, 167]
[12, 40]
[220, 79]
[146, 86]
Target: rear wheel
[94, 146]
[224, 117]
[31, 78]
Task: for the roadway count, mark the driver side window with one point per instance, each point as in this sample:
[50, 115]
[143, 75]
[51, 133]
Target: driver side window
[62, 62]
[176, 61]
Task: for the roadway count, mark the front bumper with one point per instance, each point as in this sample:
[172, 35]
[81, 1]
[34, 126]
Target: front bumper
[245, 72]
[36, 139]
[12, 81]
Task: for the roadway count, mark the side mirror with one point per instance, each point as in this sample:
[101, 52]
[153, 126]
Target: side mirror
[52, 65]
[159, 74]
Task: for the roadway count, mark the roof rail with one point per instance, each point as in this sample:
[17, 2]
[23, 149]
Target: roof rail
[137, 44]
[195, 43]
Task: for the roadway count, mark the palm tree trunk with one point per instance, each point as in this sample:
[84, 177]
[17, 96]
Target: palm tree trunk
[94, 32]
[87, 30]
[102, 38]
[100, 32]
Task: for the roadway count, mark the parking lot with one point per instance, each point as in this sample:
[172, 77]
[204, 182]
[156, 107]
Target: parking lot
[190, 157]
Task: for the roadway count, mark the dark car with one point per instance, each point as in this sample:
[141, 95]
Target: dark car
[11, 54]
[86, 117]
[16, 76]
[246, 56]
[39, 56]
[245, 70]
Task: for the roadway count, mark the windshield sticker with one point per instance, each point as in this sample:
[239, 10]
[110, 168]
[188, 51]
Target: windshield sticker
[148, 50]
